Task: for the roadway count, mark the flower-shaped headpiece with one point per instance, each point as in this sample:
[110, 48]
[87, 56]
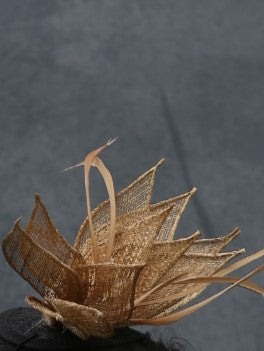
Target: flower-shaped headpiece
[125, 267]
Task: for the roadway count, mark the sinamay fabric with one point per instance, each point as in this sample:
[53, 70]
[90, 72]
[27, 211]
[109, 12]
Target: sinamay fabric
[125, 267]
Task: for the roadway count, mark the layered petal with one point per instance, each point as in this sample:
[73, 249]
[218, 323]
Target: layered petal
[162, 256]
[173, 317]
[135, 196]
[178, 204]
[135, 234]
[110, 288]
[133, 244]
[41, 229]
[49, 314]
[188, 266]
[212, 246]
[175, 207]
[84, 321]
[40, 268]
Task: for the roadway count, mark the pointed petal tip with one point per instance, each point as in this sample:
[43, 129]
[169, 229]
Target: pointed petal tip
[6, 237]
[17, 222]
[189, 193]
[236, 231]
[196, 235]
[232, 235]
[236, 252]
[163, 159]
[156, 166]
[193, 190]
[37, 197]
[38, 201]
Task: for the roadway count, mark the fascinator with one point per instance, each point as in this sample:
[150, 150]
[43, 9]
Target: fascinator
[125, 267]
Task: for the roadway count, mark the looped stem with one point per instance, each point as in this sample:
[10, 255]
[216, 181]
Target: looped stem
[92, 160]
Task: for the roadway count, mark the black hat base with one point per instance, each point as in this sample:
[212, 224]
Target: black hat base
[23, 329]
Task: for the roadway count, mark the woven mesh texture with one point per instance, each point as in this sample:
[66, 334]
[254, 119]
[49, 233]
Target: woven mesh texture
[109, 286]
[188, 266]
[212, 246]
[46, 273]
[41, 229]
[160, 259]
[145, 275]
[136, 196]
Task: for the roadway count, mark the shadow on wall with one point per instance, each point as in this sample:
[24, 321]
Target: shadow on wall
[177, 144]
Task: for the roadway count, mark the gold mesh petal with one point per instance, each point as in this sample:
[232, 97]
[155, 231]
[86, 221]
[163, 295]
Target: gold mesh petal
[178, 206]
[213, 245]
[132, 245]
[162, 256]
[133, 219]
[82, 320]
[135, 196]
[47, 275]
[110, 288]
[41, 229]
[188, 266]
[49, 314]
[193, 265]
[133, 237]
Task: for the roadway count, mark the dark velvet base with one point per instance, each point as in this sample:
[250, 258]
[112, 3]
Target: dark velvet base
[24, 327]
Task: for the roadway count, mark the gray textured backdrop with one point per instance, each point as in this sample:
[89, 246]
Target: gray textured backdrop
[180, 79]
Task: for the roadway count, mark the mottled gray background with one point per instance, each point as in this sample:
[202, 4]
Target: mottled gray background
[180, 79]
